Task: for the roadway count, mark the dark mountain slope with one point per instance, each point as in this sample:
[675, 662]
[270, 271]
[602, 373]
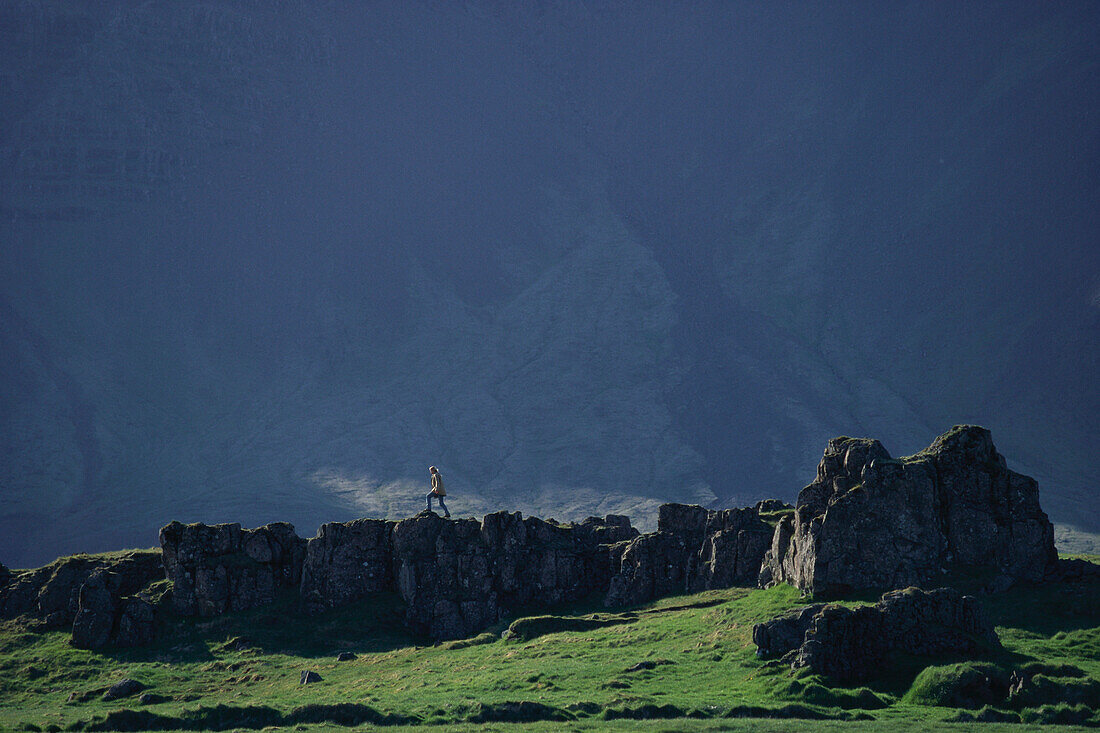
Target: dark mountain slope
[269, 261]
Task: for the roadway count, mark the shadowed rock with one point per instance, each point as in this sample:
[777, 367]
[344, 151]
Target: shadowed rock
[851, 643]
[95, 616]
[347, 561]
[784, 633]
[125, 688]
[870, 521]
[459, 576]
[218, 568]
[105, 617]
[52, 592]
[693, 549]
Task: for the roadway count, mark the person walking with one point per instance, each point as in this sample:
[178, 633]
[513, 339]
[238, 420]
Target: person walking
[437, 491]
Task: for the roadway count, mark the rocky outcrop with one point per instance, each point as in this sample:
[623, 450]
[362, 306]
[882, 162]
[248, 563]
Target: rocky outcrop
[457, 577]
[221, 567]
[347, 561]
[693, 549]
[851, 643]
[785, 632]
[52, 593]
[870, 521]
[106, 617]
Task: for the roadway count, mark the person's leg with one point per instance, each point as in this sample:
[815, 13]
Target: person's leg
[444, 506]
[429, 498]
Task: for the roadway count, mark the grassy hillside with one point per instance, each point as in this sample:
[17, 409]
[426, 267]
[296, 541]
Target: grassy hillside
[687, 658]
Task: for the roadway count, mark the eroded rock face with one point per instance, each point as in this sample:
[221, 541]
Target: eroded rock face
[870, 521]
[52, 593]
[347, 561]
[107, 617]
[693, 549]
[221, 567]
[852, 643]
[457, 577]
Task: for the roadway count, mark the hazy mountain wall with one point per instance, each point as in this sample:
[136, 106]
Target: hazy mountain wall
[269, 261]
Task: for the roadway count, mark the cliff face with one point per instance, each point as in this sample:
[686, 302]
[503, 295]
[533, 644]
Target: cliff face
[267, 261]
[869, 521]
[457, 577]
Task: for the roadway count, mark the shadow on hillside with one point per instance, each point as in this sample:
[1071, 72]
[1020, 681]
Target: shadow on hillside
[369, 626]
[1048, 608]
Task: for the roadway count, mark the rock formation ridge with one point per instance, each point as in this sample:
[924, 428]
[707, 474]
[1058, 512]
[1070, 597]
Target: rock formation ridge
[872, 521]
[867, 521]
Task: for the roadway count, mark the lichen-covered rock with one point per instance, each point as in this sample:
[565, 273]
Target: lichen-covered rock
[347, 561]
[852, 643]
[693, 549]
[870, 521]
[221, 567]
[51, 593]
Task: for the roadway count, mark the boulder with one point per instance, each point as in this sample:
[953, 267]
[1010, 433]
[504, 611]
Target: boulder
[869, 521]
[125, 688]
[309, 677]
[222, 567]
[152, 698]
[693, 549]
[850, 644]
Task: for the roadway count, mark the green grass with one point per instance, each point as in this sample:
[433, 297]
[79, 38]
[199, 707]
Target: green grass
[113, 555]
[574, 664]
[1074, 541]
[774, 518]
